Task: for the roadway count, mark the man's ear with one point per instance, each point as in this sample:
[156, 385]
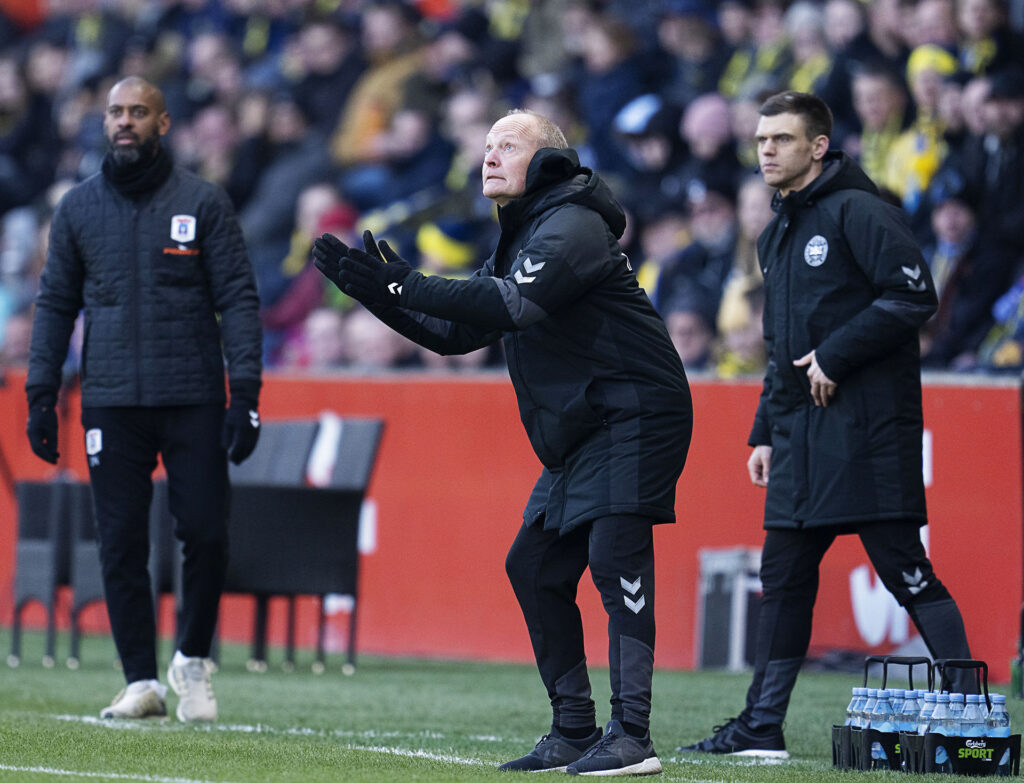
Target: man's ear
[163, 124]
[819, 146]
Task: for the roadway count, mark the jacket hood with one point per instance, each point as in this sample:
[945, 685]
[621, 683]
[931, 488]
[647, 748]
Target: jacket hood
[838, 172]
[556, 177]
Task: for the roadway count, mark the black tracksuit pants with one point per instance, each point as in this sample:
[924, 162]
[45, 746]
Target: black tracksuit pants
[545, 569]
[122, 445]
[790, 563]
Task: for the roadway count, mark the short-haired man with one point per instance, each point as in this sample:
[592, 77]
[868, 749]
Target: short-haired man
[604, 400]
[839, 424]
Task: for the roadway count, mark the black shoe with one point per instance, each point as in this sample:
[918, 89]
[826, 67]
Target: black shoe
[552, 753]
[737, 739]
[618, 754]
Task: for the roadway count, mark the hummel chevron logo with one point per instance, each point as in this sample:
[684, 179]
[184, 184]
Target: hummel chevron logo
[914, 274]
[254, 420]
[630, 588]
[914, 581]
[635, 606]
[530, 268]
[395, 288]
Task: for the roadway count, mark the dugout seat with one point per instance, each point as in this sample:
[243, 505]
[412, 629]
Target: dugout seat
[294, 522]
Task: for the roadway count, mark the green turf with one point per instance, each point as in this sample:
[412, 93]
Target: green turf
[394, 719]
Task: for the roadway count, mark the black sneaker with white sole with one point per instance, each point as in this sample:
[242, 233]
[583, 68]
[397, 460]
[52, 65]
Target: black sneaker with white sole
[552, 753]
[736, 738]
[617, 753]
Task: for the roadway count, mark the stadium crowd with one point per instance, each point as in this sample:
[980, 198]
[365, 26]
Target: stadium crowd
[341, 115]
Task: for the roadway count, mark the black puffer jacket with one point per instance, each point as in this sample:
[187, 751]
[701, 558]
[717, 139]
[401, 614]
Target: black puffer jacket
[601, 390]
[153, 275]
[843, 277]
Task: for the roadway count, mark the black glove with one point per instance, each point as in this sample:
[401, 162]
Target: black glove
[241, 422]
[42, 429]
[375, 276]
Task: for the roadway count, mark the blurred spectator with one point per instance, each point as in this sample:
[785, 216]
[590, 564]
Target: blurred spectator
[291, 155]
[932, 22]
[993, 164]
[699, 272]
[968, 276]
[371, 346]
[610, 75]
[394, 51]
[844, 21]
[741, 351]
[987, 42]
[706, 128]
[321, 346]
[880, 102]
[15, 338]
[917, 153]
[690, 324]
[812, 61]
[329, 63]
[663, 236]
[647, 132]
[688, 35]
[27, 139]
[881, 47]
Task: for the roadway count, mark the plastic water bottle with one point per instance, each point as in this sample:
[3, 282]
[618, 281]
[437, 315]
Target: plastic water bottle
[882, 719]
[957, 702]
[940, 724]
[856, 699]
[897, 698]
[972, 721]
[927, 708]
[997, 724]
[906, 720]
[869, 707]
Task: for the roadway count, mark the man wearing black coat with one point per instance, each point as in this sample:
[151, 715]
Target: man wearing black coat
[604, 400]
[838, 431]
[153, 256]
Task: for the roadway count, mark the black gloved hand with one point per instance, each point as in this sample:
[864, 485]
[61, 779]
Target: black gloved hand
[241, 422]
[42, 430]
[328, 251]
[373, 276]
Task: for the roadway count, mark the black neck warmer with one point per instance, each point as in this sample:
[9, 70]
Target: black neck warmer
[136, 179]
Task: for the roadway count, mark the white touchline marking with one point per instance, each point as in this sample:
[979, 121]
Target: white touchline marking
[303, 732]
[73, 773]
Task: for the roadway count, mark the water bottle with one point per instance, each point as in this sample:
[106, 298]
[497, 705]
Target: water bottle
[869, 707]
[853, 706]
[897, 698]
[972, 721]
[881, 720]
[927, 707]
[957, 702]
[907, 719]
[940, 724]
[997, 724]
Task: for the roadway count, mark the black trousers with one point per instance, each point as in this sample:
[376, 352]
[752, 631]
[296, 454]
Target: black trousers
[790, 564]
[122, 445]
[545, 569]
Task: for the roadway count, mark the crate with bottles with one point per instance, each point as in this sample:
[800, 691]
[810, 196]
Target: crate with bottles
[952, 726]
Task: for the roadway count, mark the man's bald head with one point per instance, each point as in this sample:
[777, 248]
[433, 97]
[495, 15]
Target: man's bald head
[135, 119]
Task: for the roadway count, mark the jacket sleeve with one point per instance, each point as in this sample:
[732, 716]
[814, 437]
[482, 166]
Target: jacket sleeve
[564, 257]
[233, 286]
[57, 305]
[885, 251]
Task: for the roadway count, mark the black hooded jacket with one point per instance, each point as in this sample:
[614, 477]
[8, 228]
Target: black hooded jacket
[601, 390]
[845, 278]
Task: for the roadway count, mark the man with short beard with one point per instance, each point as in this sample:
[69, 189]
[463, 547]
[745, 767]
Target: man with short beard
[153, 255]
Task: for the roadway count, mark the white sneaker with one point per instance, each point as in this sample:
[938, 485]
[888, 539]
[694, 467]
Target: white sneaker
[190, 678]
[140, 699]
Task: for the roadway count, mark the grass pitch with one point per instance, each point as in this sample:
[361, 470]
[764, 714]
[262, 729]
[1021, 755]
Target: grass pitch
[393, 720]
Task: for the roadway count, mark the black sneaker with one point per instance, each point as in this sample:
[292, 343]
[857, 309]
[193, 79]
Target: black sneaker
[735, 738]
[552, 753]
[618, 754]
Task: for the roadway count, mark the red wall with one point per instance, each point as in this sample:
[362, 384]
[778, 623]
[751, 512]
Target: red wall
[455, 469]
